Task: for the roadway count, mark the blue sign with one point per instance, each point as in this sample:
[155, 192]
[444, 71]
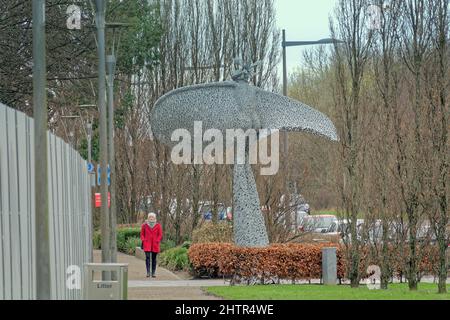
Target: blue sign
[90, 167]
[99, 175]
[223, 215]
[207, 215]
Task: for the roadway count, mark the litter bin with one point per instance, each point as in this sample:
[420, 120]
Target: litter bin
[95, 288]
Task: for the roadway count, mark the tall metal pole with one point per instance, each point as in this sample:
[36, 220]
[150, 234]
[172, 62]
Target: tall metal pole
[284, 45]
[284, 64]
[42, 244]
[100, 8]
[91, 222]
[285, 135]
[89, 139]
[111, 66]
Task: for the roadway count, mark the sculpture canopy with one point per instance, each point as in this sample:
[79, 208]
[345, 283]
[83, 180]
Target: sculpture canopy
[234, 105]
[237, 105]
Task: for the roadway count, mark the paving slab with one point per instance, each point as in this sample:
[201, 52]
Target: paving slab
[166, 286]
[136, 267]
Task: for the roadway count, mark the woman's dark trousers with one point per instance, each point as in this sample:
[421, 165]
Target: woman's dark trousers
[147, 262]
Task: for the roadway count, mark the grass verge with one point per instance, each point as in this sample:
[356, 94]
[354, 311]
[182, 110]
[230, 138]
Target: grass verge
[426, 291]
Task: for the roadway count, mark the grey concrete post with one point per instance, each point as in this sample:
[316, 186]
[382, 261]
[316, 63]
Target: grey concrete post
[329, 266]
[111, 66]
[91, 222]
[100, 8]
[42, 241]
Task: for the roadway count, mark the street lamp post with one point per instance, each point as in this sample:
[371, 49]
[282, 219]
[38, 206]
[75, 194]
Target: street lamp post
[42, 241]
[91, 176]
[100, 8]
[89, 141]
[111, 67]
[284, 45]
[111, 70]
[284, 64]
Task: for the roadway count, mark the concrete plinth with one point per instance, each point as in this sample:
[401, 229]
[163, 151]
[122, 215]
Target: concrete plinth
[329, 266]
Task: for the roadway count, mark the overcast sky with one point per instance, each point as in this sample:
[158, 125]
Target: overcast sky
[303, 20]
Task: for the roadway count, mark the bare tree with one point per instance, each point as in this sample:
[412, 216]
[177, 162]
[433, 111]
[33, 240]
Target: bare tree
[351, 58]
[386, 73]
[437, 121]
[415, 40]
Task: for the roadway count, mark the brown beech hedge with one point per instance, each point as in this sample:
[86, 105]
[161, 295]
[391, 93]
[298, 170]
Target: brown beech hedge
[286, 261]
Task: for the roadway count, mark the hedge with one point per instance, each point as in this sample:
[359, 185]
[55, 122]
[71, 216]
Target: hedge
[123, 235]
[282, 261]
[286, 261]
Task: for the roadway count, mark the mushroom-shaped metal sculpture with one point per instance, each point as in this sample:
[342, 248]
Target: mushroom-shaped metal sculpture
[237, 105]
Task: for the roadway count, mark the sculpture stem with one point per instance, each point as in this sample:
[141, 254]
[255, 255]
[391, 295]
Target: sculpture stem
[248, 222]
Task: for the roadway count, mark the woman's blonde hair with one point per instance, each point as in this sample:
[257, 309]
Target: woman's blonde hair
[151, 214]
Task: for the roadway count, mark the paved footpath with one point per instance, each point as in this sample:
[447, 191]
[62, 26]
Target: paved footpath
[166, 286]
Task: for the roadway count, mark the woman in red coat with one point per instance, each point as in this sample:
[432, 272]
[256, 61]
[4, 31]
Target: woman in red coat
[151, 235]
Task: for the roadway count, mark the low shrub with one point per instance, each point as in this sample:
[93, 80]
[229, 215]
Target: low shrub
[186, 244]
[124, 234]
[213, 232]
[175, 259]
[131, 244]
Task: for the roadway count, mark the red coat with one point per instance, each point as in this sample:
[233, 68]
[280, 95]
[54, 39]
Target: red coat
[151, 237]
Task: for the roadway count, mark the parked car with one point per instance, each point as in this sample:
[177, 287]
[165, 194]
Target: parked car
[373, 232]
[341, 225]
[317, 224]
[397, 232]
[223, 212]
[340, 228]
[304, 207]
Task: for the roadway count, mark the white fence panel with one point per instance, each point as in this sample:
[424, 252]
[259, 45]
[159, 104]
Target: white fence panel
[69, 207]
[5, 285]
